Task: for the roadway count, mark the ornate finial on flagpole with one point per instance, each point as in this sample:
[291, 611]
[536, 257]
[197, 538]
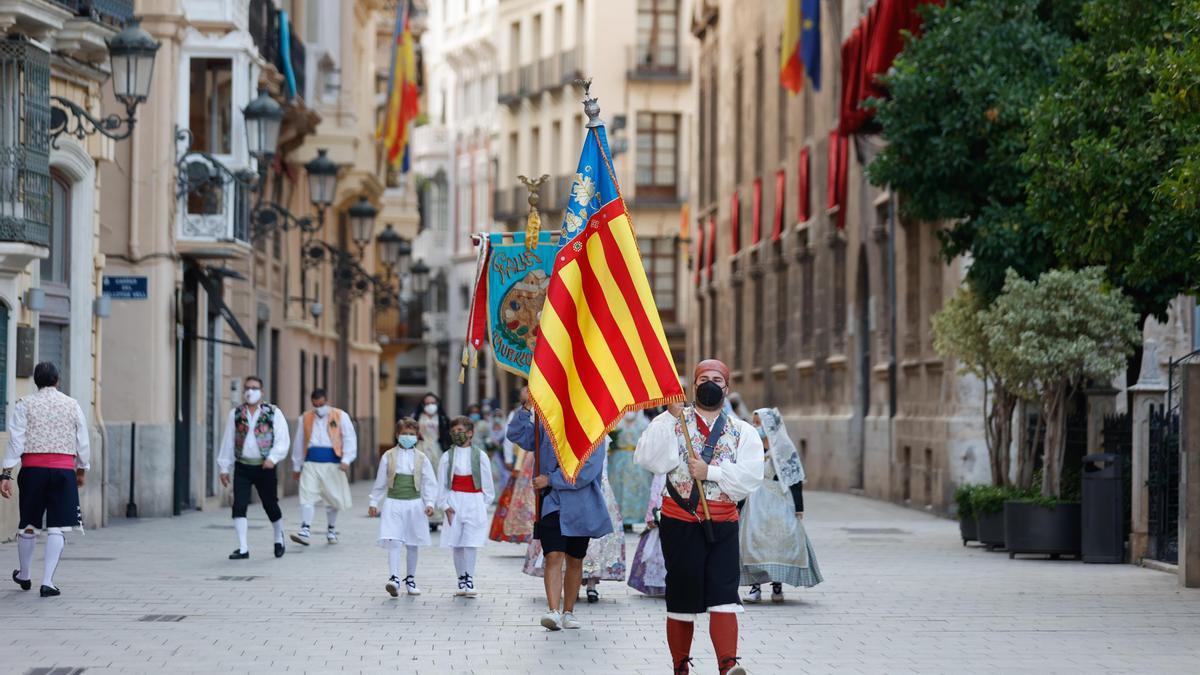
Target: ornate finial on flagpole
[533, 222]
[590, 106]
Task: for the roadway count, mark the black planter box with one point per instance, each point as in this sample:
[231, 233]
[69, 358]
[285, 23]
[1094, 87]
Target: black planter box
[990, 529]
[969, 529]
[1033, 529]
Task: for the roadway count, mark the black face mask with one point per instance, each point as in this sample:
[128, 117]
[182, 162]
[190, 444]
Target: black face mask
[709, 395]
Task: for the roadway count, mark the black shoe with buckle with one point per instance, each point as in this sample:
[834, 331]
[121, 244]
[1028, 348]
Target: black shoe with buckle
[25, 584]
[49, 591]
[684, 666]
[239, 554]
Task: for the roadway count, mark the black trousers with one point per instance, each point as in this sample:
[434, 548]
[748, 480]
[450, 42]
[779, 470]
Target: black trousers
[266, 481]
[48, 496]
[700, 574]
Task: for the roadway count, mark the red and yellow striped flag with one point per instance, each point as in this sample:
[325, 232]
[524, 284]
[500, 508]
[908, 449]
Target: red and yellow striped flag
[402, 93]
[601, 349]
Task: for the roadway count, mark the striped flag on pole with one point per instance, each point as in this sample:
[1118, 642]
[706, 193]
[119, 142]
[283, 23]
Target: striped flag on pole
[601, 350]
[402, 103]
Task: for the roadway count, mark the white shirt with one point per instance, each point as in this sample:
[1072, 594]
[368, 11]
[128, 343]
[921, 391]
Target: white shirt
[404, 464]
[279, 449]
[18, 423]
[320, 439]
[658, 452]
[462, 467]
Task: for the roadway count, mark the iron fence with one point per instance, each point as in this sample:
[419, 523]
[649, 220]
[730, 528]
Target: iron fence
[111, 12]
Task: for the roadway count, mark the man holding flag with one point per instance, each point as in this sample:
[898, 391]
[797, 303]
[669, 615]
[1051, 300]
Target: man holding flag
[712, 461]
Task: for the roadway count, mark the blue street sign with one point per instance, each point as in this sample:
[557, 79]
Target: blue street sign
[126, 288]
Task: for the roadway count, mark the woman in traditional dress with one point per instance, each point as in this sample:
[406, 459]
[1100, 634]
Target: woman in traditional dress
[434, 430]
[605, 560]
[630, 482]
[648, 571]
[514, 458]
[775, 547]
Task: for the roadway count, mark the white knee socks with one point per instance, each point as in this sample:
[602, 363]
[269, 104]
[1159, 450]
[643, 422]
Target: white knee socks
[240, 525]
[26, 541]
[413, 552]
[464, 560]
[55, 541]
[331, 515]
[278, 525]
[394, 561]
[306, 514]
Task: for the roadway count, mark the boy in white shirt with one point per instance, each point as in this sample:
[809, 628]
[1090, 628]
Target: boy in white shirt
[465, 480]
[403, 496]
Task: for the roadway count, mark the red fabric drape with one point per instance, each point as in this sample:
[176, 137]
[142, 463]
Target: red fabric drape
[698, 259]
[839, 160]
[756, 210]
[780, 186]
[803, 212]
[735, 222]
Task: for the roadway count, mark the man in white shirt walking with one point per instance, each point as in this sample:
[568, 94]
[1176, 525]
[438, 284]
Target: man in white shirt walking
[259, 433]
[48, 437]
[323, 450]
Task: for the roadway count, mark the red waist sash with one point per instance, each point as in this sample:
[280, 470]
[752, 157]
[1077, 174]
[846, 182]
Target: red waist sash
[722, 512]
[463, 484]
[48, 460]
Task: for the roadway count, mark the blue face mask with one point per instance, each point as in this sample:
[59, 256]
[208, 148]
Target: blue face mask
[475, 417]
[407, 441]
[762, 433]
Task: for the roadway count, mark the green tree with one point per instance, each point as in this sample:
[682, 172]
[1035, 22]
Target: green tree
[1114, 149]
[957, 122]
[959, 332]
[1047, 336]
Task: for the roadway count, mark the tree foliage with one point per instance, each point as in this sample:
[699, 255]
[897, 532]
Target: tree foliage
[1047, 336]
[957, 122]
[1114, 149]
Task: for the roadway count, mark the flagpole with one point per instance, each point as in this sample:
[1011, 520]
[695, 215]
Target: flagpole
[698, 485]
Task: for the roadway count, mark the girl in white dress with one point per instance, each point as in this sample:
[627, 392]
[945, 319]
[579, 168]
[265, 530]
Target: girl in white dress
[405, 490]
[465, 482]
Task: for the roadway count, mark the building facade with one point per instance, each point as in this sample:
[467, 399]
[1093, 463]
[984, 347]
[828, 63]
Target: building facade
[50, 201]
[815, 293]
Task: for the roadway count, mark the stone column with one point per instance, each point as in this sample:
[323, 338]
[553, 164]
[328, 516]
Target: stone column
[1189, 477]
[1150, 391]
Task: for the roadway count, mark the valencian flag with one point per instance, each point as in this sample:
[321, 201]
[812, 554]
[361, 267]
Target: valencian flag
[801, 48]
[402, 92]
[601, 349]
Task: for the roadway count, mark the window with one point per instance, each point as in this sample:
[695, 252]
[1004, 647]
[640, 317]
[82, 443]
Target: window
[303, 378]
[210, 108]
[659, 258]
[912, 290]
[839, 296]
[53, 344]
[781, 103]
[325, 372]
[738, 127]
[56, 267]
[782, 288]
[657, 155]
[354, 391]
[713, 144]
[760, 113]
[535, 152]
[703, 144]
[658, 35]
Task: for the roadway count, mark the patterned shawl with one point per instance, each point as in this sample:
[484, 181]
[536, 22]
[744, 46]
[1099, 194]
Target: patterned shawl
[783, 453]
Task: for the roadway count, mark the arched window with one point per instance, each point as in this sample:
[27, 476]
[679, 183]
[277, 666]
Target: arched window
[54, 321]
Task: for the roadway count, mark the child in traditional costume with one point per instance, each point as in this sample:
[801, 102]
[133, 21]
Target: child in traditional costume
[465, 478]
[434, 434]
[405, 490]
[775, 547]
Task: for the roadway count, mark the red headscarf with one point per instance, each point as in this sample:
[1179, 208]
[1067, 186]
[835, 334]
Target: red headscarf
[711, 364]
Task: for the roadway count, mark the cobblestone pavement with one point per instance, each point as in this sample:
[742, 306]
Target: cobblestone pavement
[901, 595]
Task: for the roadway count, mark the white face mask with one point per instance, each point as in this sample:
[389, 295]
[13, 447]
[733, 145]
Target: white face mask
[253, 396]
[430, 409]
[323, 410]
[406, 441]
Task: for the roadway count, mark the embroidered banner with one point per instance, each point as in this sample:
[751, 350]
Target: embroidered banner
[517, 280]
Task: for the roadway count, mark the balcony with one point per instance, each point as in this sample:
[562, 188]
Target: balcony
[507, 92]
[110, 12]
[24, 152]
[263, 26]
[659, 64]
[214, 221]
[546, 74]
[656, 197]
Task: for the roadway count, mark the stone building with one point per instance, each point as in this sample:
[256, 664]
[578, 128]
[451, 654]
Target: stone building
[51, 197]
[230, 293]
[791, 274]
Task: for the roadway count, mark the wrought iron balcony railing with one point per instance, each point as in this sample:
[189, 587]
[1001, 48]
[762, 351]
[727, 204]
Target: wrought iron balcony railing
[112, 12]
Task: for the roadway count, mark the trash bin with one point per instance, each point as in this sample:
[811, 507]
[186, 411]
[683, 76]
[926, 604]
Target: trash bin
[1103, 508]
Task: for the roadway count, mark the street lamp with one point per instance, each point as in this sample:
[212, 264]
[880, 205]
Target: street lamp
[362, 222]
[322, 181]
[263, 118]
[392, 248]
[420, 278]
[131, 56]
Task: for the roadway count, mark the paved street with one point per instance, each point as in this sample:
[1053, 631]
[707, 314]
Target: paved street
[901, 595]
